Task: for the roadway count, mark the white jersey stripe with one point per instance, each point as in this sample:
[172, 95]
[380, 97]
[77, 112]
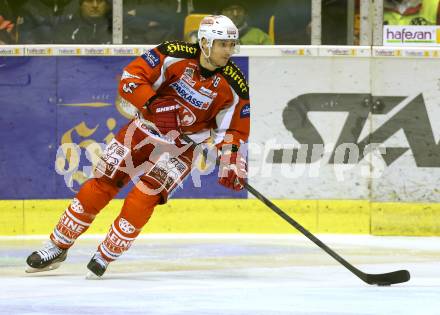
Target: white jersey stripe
[224, 118]
[168, 61]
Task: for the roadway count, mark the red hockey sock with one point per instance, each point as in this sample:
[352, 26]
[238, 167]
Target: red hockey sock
[94, 195]
[135, 213]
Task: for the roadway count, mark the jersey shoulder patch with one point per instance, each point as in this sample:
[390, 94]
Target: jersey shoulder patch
[236, 79]
[178, 49]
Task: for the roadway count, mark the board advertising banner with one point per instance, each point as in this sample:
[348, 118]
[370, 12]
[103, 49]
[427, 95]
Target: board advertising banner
[346, 128]
[411, 35]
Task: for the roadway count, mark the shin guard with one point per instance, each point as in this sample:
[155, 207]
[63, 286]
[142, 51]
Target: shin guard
[94, 195]
[118, 240]
[135, 213]
[72, 224]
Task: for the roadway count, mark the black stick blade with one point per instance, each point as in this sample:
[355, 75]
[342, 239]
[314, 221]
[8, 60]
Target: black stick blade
[385, 279]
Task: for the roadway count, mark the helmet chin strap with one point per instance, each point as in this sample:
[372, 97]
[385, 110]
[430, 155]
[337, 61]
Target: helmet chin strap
[208, 58]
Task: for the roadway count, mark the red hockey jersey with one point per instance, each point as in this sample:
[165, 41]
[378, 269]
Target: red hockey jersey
[217, 105]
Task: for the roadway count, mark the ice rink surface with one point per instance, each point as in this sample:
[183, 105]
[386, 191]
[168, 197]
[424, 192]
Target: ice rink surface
[227, 275]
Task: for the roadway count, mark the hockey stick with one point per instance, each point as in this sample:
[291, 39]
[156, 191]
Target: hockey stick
[381, 279]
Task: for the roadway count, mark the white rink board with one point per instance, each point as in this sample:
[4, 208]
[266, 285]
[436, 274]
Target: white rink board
[404, 179]
[275, 81]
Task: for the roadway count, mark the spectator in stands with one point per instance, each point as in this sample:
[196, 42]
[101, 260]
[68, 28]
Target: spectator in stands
[7, 26]
[152, 21]
[191, 37]
[248, 35]
[411, 12]
[42, 18]
[292, 22]
[91, 25]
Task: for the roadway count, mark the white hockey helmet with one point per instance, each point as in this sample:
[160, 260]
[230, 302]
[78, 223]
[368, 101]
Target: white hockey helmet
[214, 27]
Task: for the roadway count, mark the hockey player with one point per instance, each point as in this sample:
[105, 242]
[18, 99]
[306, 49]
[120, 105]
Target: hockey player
[178, 88]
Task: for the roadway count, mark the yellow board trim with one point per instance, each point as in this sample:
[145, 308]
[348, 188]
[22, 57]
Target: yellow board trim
[33, 217]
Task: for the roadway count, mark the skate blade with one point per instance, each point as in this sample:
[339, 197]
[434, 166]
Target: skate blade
[54, 266]
[91, 276]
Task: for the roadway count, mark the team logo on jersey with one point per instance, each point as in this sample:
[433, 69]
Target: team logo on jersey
[187, 117]
[188, 75]
[191, 95]
[245, 111]
[189, 72]
[151, 58]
